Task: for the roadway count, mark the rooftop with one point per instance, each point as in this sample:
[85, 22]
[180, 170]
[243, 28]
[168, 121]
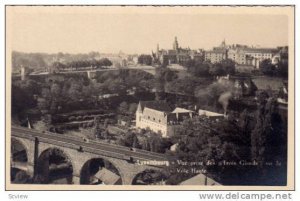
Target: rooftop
[217, 50]
[209, 113]
[181, 110]
[155, 105]
[200, 179]
[261, 50]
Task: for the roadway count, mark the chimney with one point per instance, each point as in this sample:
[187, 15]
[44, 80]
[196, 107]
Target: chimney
[225, 113]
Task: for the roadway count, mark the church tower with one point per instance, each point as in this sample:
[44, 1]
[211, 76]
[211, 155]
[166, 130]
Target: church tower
[223, 45]
[157, 50]
[175, 44]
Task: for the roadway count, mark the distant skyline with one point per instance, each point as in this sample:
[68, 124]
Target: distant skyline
[69, 31]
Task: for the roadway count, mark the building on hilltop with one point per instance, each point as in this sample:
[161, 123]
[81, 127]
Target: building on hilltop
[257, 55]
[238, 55]
[243, 55]
[160, 118]
[177, 55]
[217, 54]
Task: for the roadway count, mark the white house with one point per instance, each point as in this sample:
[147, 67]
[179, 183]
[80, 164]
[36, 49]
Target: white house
[159, 117]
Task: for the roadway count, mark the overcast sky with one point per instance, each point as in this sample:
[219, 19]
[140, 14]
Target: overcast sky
[54, 31]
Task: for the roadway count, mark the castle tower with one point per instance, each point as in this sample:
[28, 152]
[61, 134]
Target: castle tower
[223, 44]
[175, 44]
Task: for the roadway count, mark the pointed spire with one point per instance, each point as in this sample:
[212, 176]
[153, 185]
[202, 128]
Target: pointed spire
[223, 43]
[175, 44]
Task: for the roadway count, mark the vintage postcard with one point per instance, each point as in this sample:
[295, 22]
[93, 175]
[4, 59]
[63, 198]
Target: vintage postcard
[150, 97]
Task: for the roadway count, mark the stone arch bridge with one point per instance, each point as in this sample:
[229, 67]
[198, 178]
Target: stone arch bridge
[79, 151]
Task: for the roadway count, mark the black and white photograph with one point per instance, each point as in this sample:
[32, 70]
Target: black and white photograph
[149, 97]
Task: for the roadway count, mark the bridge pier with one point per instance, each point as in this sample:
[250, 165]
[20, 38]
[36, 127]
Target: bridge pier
[127, 179]
[76, 180]
[30, 170]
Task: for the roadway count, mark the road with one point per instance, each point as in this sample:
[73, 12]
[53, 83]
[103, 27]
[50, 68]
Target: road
[112, 150]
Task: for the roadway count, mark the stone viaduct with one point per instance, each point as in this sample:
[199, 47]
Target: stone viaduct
[79, 151]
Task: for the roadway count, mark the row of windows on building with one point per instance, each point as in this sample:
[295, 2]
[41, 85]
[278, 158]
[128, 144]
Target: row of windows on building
[153, 123]
[154, 119]
[260, 54]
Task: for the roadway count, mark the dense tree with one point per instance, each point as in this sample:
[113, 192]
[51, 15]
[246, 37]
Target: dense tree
[89, 63]
[130, 140]
[267, 133]
[155, 142]
[145, 59]
[210, 95]
[58, 66]
[44, 124]
[229, 66]
[132, 108]
[55, 90]
[188, 63]
[217, 69]
[74, 91]
[97, 128]
[224, 67]
[105, 134]
[268, 142]
[267, 68]
[103, 62]
[123, 107]
[200, 69]
[160, 83]
[63, 60]
[283, 69]
[162, 77]
[32, 60]
[216, 145]
[21, 100]
[145, 145]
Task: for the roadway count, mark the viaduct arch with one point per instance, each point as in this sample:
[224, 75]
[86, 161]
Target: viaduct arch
[37, 149]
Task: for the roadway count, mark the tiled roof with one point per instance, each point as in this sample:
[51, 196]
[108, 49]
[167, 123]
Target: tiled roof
[200, 179]
[181, 110]
[261, 50]
[156, 105]
[172, 52]
[178, 117]
[216, 51]
[209, 113]
[107, 176]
